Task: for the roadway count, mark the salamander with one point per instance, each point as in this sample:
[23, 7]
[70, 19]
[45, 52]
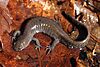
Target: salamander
[53, 29]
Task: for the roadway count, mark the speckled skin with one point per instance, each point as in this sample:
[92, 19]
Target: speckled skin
[53, 29]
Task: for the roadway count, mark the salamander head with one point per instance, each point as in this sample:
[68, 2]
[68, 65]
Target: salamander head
[19, 45]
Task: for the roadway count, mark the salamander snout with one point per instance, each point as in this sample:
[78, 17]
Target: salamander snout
[18, 46]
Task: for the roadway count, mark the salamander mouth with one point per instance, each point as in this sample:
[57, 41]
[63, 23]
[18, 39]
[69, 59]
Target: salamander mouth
[16, 47]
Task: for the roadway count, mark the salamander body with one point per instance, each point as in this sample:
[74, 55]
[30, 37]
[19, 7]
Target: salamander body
[53, 29]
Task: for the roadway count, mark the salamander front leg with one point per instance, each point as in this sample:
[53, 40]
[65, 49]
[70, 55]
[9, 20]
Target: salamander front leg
[15, 35]
[37, 45]
[51, 47]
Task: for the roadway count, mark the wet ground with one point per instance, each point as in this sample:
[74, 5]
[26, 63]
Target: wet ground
[12, 15]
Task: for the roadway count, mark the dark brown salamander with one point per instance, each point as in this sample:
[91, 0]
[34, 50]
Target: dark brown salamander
[53, 29]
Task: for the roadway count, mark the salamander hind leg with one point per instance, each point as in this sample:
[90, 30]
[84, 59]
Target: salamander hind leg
[49, 48]
[37, 46]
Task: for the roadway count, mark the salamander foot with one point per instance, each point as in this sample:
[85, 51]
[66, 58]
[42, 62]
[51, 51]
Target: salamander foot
[51, 47]
[37, 45]
[48, 49]
[15, 35]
